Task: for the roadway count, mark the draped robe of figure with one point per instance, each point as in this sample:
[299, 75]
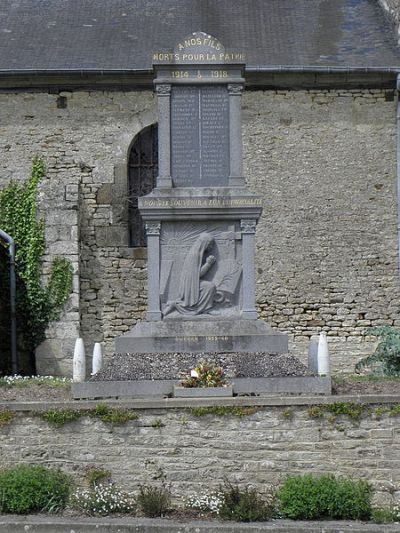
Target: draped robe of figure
[196, 296]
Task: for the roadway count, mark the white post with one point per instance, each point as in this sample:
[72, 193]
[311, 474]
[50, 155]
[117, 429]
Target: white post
[313, 354]
[79, 362]
[323, 355]
[97, 359]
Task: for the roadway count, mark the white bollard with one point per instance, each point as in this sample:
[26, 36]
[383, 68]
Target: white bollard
[323, 355]
[97, 360]
[313, 354]
[79, 362]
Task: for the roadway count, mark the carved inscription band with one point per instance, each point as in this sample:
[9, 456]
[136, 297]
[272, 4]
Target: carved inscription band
[201, 202]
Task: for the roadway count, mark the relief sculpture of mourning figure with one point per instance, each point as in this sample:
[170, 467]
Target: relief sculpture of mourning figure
[196, 295]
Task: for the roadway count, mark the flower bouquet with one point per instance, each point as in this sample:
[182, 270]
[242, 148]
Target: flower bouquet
[207, 379]
[205, 375]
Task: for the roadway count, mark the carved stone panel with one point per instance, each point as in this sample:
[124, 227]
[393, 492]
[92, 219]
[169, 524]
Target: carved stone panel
[201, 269]
[200, 136]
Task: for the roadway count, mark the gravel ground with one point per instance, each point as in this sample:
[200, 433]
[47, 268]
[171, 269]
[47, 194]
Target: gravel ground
[125, 367]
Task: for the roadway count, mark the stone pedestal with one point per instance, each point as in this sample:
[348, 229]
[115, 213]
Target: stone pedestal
[200, 221]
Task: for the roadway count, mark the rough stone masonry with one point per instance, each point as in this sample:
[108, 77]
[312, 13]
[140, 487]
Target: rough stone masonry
[323, 161]
[195, 454]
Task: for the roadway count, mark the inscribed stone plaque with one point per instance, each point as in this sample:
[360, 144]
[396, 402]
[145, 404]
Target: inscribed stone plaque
[200, 136]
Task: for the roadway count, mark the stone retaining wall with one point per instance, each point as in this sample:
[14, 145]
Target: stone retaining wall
[324, 162]
[195, 454]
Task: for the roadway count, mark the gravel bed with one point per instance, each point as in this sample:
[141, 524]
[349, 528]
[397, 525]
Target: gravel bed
[124, 367]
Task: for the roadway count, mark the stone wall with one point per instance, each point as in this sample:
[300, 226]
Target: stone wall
[196, 454]
[327, 241]
[84, 145]
[324, 162]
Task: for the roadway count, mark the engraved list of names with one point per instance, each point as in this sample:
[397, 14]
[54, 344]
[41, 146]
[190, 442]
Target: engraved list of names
[200, 136]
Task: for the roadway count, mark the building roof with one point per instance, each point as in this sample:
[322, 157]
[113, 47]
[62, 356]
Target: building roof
[119, 35]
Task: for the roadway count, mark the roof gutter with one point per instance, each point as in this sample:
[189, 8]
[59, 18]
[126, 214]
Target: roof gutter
[249, 68]
[323, 69]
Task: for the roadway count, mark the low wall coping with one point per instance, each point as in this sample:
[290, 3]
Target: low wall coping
[181, 403]
[45, 524]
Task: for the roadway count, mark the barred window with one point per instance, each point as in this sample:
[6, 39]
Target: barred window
[142, 173]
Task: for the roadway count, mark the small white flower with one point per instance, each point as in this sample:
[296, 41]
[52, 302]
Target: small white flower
[194, 374]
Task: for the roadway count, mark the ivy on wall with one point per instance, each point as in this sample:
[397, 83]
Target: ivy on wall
[37, 304]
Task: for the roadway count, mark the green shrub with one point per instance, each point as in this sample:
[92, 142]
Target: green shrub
[309, 497]
[386, 358]
[26, 489]
[242, 505]
[154, 501]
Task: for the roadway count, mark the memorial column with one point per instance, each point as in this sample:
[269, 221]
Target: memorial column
[163, 92]
[248, 228]
[153, 270]
[235, 135]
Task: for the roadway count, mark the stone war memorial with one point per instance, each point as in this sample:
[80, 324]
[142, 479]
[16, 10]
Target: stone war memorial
[200, 223]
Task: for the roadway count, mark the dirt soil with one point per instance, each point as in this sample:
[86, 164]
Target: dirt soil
[352, 386]
[43, 392]
[35, 393]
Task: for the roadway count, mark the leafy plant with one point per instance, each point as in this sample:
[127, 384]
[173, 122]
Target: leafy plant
[387, 353]
[223, 411]
[108, 415]
[157, 423]
[352, 410]
[59, 417]
[287, 414]
[153, 501]
[112, 415]
[6, 416]
[103, 499]
[37, 305]
[315, 411]
[25, 489]
[242, 505]
[309, 497]
[95, 476]
[383, 516]
[205, 375]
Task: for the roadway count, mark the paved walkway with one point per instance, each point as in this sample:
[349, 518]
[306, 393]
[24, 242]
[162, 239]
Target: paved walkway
[51, 524]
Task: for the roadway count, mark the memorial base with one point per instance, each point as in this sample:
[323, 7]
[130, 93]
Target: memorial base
[202, 335]
[158, 389]
[203, 392]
